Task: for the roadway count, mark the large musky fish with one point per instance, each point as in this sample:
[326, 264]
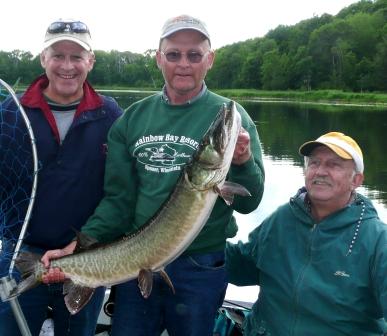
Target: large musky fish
[164, 237]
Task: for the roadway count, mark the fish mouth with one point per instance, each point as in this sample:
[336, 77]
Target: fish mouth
[218, 134]
[211, 162]
[214, 150]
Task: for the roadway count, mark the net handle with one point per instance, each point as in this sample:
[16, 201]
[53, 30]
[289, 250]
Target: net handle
[35, 174]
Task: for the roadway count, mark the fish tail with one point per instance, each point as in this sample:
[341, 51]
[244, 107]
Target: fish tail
[28, 264]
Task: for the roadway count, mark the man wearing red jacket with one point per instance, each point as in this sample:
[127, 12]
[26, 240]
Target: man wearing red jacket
[70, 122]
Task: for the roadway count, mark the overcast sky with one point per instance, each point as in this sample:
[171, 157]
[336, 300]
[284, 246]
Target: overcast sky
[135, 25]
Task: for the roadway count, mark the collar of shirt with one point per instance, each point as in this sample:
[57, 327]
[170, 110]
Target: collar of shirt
[198, 96]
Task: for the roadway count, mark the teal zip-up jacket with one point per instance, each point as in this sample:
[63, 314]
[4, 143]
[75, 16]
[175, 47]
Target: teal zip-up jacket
[148, 149]
[325, 279]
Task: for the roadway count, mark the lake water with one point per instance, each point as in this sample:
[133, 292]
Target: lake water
[283, 127]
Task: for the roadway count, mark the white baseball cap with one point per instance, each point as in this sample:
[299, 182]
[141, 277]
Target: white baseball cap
[68, 30]
[183, 22]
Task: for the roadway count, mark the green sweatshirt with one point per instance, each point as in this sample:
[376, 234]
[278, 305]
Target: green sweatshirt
[147, 150]
[325, 279]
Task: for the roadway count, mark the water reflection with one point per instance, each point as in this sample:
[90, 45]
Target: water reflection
[284, 127]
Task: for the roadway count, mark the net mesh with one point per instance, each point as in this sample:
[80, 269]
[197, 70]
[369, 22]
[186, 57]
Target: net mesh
[16, 176]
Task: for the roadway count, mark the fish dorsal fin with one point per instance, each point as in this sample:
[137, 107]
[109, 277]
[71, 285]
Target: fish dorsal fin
[145, 282]
[76, 297]
[166, 278]
[229, 189]
[85, 242]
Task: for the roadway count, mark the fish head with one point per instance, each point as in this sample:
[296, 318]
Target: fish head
[212, 159]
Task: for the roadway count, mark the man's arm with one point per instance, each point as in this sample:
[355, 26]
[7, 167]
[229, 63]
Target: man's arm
[114, 215]
[241, 261]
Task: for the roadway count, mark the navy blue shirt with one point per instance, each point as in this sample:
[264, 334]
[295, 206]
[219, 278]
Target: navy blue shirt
[70, 176]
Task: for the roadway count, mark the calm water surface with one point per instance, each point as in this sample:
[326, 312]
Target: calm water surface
[283, 127]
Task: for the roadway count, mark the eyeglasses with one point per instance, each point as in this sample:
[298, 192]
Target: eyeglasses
[175, 56]
[73, 27]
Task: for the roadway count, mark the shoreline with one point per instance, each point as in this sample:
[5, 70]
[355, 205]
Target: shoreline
[317, 97]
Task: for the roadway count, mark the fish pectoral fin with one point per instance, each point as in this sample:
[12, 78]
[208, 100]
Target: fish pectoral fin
[76, 296]
[145, 282]
[166, 278]
[229, 189]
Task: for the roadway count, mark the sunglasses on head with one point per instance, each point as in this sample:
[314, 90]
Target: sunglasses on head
[175, 56]
[70, 27]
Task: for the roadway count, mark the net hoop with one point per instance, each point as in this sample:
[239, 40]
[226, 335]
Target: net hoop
[35, 174]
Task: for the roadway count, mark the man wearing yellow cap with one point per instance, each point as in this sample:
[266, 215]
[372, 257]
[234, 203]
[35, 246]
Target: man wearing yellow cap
[321, 259]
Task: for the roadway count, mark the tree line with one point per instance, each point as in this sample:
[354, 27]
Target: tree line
[347, 51]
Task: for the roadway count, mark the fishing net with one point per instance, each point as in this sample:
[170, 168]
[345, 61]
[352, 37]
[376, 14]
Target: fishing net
[18, 176]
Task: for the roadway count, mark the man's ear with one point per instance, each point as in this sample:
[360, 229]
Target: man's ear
[43, 59]
[91, 61]
[158, 59]
[210, 59]
[357, 180]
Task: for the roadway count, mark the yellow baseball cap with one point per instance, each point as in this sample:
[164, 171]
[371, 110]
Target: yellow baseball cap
[343, 145]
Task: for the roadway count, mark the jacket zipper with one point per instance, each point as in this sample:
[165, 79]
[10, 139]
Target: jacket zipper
[300, 278]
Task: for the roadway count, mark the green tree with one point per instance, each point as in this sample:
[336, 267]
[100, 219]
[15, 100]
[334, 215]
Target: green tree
[275, 74]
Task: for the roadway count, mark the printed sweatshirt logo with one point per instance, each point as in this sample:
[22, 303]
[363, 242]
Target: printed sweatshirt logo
[341, 274]
[164, 153]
